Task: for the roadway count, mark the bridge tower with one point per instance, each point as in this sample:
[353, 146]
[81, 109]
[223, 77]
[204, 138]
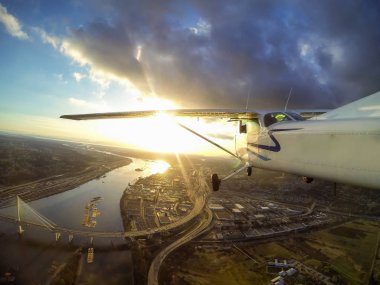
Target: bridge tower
[26, 215]
[20, 229]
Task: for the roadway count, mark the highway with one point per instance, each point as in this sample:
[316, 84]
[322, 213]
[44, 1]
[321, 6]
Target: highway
[191, 234]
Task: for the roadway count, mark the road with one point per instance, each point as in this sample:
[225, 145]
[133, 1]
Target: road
[191, 234]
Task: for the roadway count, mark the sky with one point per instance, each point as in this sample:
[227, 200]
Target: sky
[67, 57]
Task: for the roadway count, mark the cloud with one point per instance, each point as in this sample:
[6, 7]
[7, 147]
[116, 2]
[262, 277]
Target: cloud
[107, 49]
[77, 102]
[213, 53]
[86, 105]
[46, 38]
[216, 55]
[78, 76]
[11, 24]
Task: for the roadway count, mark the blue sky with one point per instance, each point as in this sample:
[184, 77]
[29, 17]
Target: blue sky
[62, 57]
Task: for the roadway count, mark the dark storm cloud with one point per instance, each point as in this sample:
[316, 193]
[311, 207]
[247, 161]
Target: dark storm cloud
[212, 53]
[111, 49]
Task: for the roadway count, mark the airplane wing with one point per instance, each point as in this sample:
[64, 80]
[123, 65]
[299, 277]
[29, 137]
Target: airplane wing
[367, 107]
[205, 113]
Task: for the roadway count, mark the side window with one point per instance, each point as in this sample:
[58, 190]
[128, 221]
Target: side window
[272, 118]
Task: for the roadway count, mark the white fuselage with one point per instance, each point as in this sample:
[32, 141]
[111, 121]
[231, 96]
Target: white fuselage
[341, 150]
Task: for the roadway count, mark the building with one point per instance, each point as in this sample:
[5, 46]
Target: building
[291, 272]
[277, 281]
[215, 207]
[239, 206]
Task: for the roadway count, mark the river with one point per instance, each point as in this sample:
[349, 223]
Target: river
[37, 250]
[66, 209]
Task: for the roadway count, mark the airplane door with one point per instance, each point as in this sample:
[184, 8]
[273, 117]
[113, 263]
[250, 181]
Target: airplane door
[247, 132]
[241, 139]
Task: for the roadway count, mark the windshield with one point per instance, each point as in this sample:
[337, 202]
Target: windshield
[296, 116]
[272, 118]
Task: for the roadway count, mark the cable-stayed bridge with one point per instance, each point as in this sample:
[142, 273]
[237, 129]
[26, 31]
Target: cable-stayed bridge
[26, 215]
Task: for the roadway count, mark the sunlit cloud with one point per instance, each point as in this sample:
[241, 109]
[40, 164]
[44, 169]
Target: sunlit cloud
[138, 53]
[95, 72]
[78, 76]
[67, 49]
[11, 24]
[46, 38]
[77, 102]
[85, 105]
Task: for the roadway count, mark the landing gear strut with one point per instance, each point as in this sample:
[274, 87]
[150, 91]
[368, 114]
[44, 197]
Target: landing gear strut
[215, 182]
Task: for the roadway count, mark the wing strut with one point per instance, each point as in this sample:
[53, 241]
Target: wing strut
[208, 140]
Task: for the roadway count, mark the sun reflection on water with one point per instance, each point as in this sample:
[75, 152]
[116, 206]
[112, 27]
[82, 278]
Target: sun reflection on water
[159, 167]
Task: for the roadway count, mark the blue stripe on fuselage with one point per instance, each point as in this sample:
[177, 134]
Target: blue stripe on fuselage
[276, 147]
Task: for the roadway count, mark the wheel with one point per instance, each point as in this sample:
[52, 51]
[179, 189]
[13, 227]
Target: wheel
[215, 182]
[249, 170]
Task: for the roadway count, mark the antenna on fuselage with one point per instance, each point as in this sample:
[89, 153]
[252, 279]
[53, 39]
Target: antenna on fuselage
[248, 95]
[287, 101]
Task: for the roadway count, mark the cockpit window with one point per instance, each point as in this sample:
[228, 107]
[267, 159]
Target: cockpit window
[296, 116]
[272, 118]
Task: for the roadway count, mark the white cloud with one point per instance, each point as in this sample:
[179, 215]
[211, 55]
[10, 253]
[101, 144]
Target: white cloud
[66, 48]
[46, 38]
[138, 52]
[202, 28]
[78, 76]
[11, 24]
[77, 102]
[95, 72]
[85, 105]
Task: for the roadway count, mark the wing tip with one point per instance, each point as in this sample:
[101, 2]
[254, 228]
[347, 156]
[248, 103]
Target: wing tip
[69, 117]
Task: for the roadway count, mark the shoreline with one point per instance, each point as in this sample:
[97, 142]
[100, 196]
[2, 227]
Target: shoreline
[56, 184]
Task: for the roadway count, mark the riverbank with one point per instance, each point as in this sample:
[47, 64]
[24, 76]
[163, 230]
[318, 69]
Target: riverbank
[59, 183]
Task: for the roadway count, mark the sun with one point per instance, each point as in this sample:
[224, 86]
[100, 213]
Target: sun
[164, 135]
[159, 133]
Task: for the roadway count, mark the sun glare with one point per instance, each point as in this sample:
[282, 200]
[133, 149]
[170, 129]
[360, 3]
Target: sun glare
[159, 133]
[159, 167]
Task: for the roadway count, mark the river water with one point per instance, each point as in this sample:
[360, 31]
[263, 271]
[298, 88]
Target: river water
[66, 209]
[37, 250]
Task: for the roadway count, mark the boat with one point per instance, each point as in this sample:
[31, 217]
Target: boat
[97, 198]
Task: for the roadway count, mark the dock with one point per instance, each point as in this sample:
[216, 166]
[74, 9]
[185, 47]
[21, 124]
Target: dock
[90, 255]
[91, 212]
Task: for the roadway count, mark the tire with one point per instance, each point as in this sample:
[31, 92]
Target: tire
[215, 182]
[249, 171]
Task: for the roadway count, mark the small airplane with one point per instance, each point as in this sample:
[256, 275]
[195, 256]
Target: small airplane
[341, 145]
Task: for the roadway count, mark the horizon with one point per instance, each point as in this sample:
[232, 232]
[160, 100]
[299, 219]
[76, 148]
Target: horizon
[85, 57]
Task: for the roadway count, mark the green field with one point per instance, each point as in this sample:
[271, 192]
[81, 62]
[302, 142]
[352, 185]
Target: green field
[344, 253]
[219, 267]
[349, 248]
